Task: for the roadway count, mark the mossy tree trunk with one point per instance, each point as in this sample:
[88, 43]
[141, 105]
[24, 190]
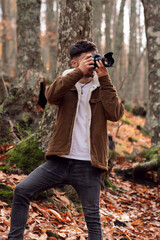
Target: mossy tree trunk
[21, 105]
[152, 25]
[152, 162]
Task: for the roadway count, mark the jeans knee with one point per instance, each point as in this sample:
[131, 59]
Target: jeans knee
[20, 194]
[92, 214]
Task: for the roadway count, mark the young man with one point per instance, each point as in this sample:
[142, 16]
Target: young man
[78, 150]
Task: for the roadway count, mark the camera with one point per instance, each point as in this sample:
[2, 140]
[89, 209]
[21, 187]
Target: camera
[106, 59]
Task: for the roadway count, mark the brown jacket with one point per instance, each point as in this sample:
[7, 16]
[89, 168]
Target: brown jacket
[104, 105]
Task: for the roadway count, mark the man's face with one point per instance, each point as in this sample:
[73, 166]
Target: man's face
[90, 73]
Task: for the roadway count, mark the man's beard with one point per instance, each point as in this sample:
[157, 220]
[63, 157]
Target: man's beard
[89, 74]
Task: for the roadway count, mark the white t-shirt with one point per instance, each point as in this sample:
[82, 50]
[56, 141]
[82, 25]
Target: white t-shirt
[80, 146]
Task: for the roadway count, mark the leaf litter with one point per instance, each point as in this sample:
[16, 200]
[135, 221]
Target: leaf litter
[132, 213]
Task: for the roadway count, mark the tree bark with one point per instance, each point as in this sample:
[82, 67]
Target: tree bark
[75, 23]
[118, 43]
[97, 21]
[142, 168]
[21, 105]
[131, 56]
[28, 39]
[51, 21]
[152, 25]
[109, 6]
[6, 38]
[3, 90]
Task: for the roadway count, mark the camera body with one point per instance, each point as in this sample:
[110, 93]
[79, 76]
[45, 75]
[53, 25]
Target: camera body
[106, 59]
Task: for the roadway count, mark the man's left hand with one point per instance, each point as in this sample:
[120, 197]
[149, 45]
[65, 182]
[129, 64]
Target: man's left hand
[101, 70]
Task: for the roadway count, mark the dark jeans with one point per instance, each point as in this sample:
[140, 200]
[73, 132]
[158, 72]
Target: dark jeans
[80, 174]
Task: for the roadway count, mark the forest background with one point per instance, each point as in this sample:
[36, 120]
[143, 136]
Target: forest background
[34, 41]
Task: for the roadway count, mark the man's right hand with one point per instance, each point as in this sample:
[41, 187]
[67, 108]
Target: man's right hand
[86, 63]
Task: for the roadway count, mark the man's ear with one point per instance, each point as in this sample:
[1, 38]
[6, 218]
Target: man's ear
[74, 63]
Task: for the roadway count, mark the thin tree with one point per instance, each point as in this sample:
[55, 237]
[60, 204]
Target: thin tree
[6, 38]
[51, 26]
[131, 56]
[97, 22]
[152, 25]
[118, 43]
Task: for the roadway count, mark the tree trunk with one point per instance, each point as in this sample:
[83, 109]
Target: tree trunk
[97, 21]
[118, 43]
[6, 38]
[75, 23]
[131, 56]
[21, 105]
[152, 25]
[51, 21]
[151, 163]
[3, 90]
[142, 168]
[108, 16]
[28, 39]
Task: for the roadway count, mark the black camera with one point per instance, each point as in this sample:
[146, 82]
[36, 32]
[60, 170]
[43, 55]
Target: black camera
[106, 59]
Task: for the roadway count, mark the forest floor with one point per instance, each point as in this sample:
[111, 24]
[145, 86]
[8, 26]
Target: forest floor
[129, 210]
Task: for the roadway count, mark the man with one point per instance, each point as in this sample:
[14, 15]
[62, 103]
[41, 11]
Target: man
[78, 150]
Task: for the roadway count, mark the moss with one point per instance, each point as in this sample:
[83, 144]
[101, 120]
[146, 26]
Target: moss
[6, 194]
[51, 234]
[79, 208]
[132, 139]
[109, 184]
[44, 196]
[25, 117]
[24, 126]
[126, 121]
[129, 108]
[1, 108]
[8, 169]
[150, 153]
[26, 155]
[144, 130]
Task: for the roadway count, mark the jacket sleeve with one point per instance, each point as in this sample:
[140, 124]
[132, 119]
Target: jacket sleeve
[112, 104]
[54, 92]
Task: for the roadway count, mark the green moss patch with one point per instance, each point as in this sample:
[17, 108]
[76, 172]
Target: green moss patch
[26, 155]
[125, 120]
[151, 153]
[6, 194]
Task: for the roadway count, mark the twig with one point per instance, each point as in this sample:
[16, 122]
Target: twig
[119, 125]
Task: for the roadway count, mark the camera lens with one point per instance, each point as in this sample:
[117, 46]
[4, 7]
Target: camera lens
[105, 61]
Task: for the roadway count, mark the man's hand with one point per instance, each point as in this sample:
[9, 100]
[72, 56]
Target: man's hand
[101, 70]
[86, 63]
